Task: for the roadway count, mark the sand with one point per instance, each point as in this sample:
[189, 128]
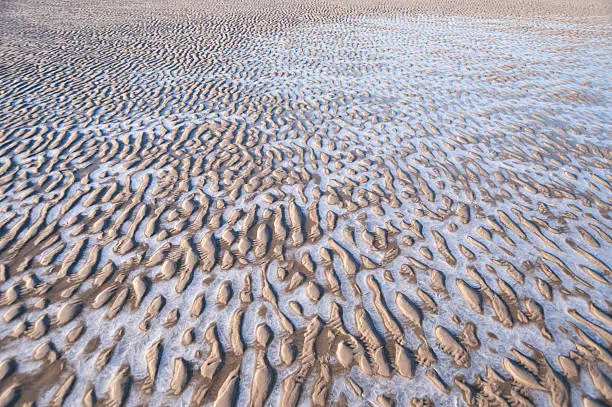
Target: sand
[389, 203]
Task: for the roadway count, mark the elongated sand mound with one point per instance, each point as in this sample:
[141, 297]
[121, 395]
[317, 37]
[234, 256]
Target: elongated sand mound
[349, 203]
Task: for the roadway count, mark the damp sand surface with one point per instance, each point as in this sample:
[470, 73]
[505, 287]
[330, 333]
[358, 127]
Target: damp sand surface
[390, 203]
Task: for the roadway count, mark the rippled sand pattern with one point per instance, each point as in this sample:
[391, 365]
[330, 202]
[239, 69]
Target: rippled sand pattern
[304, 205]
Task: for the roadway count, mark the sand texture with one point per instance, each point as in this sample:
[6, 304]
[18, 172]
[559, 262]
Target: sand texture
[305, 203]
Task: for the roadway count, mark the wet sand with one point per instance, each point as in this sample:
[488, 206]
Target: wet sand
[305, 203]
